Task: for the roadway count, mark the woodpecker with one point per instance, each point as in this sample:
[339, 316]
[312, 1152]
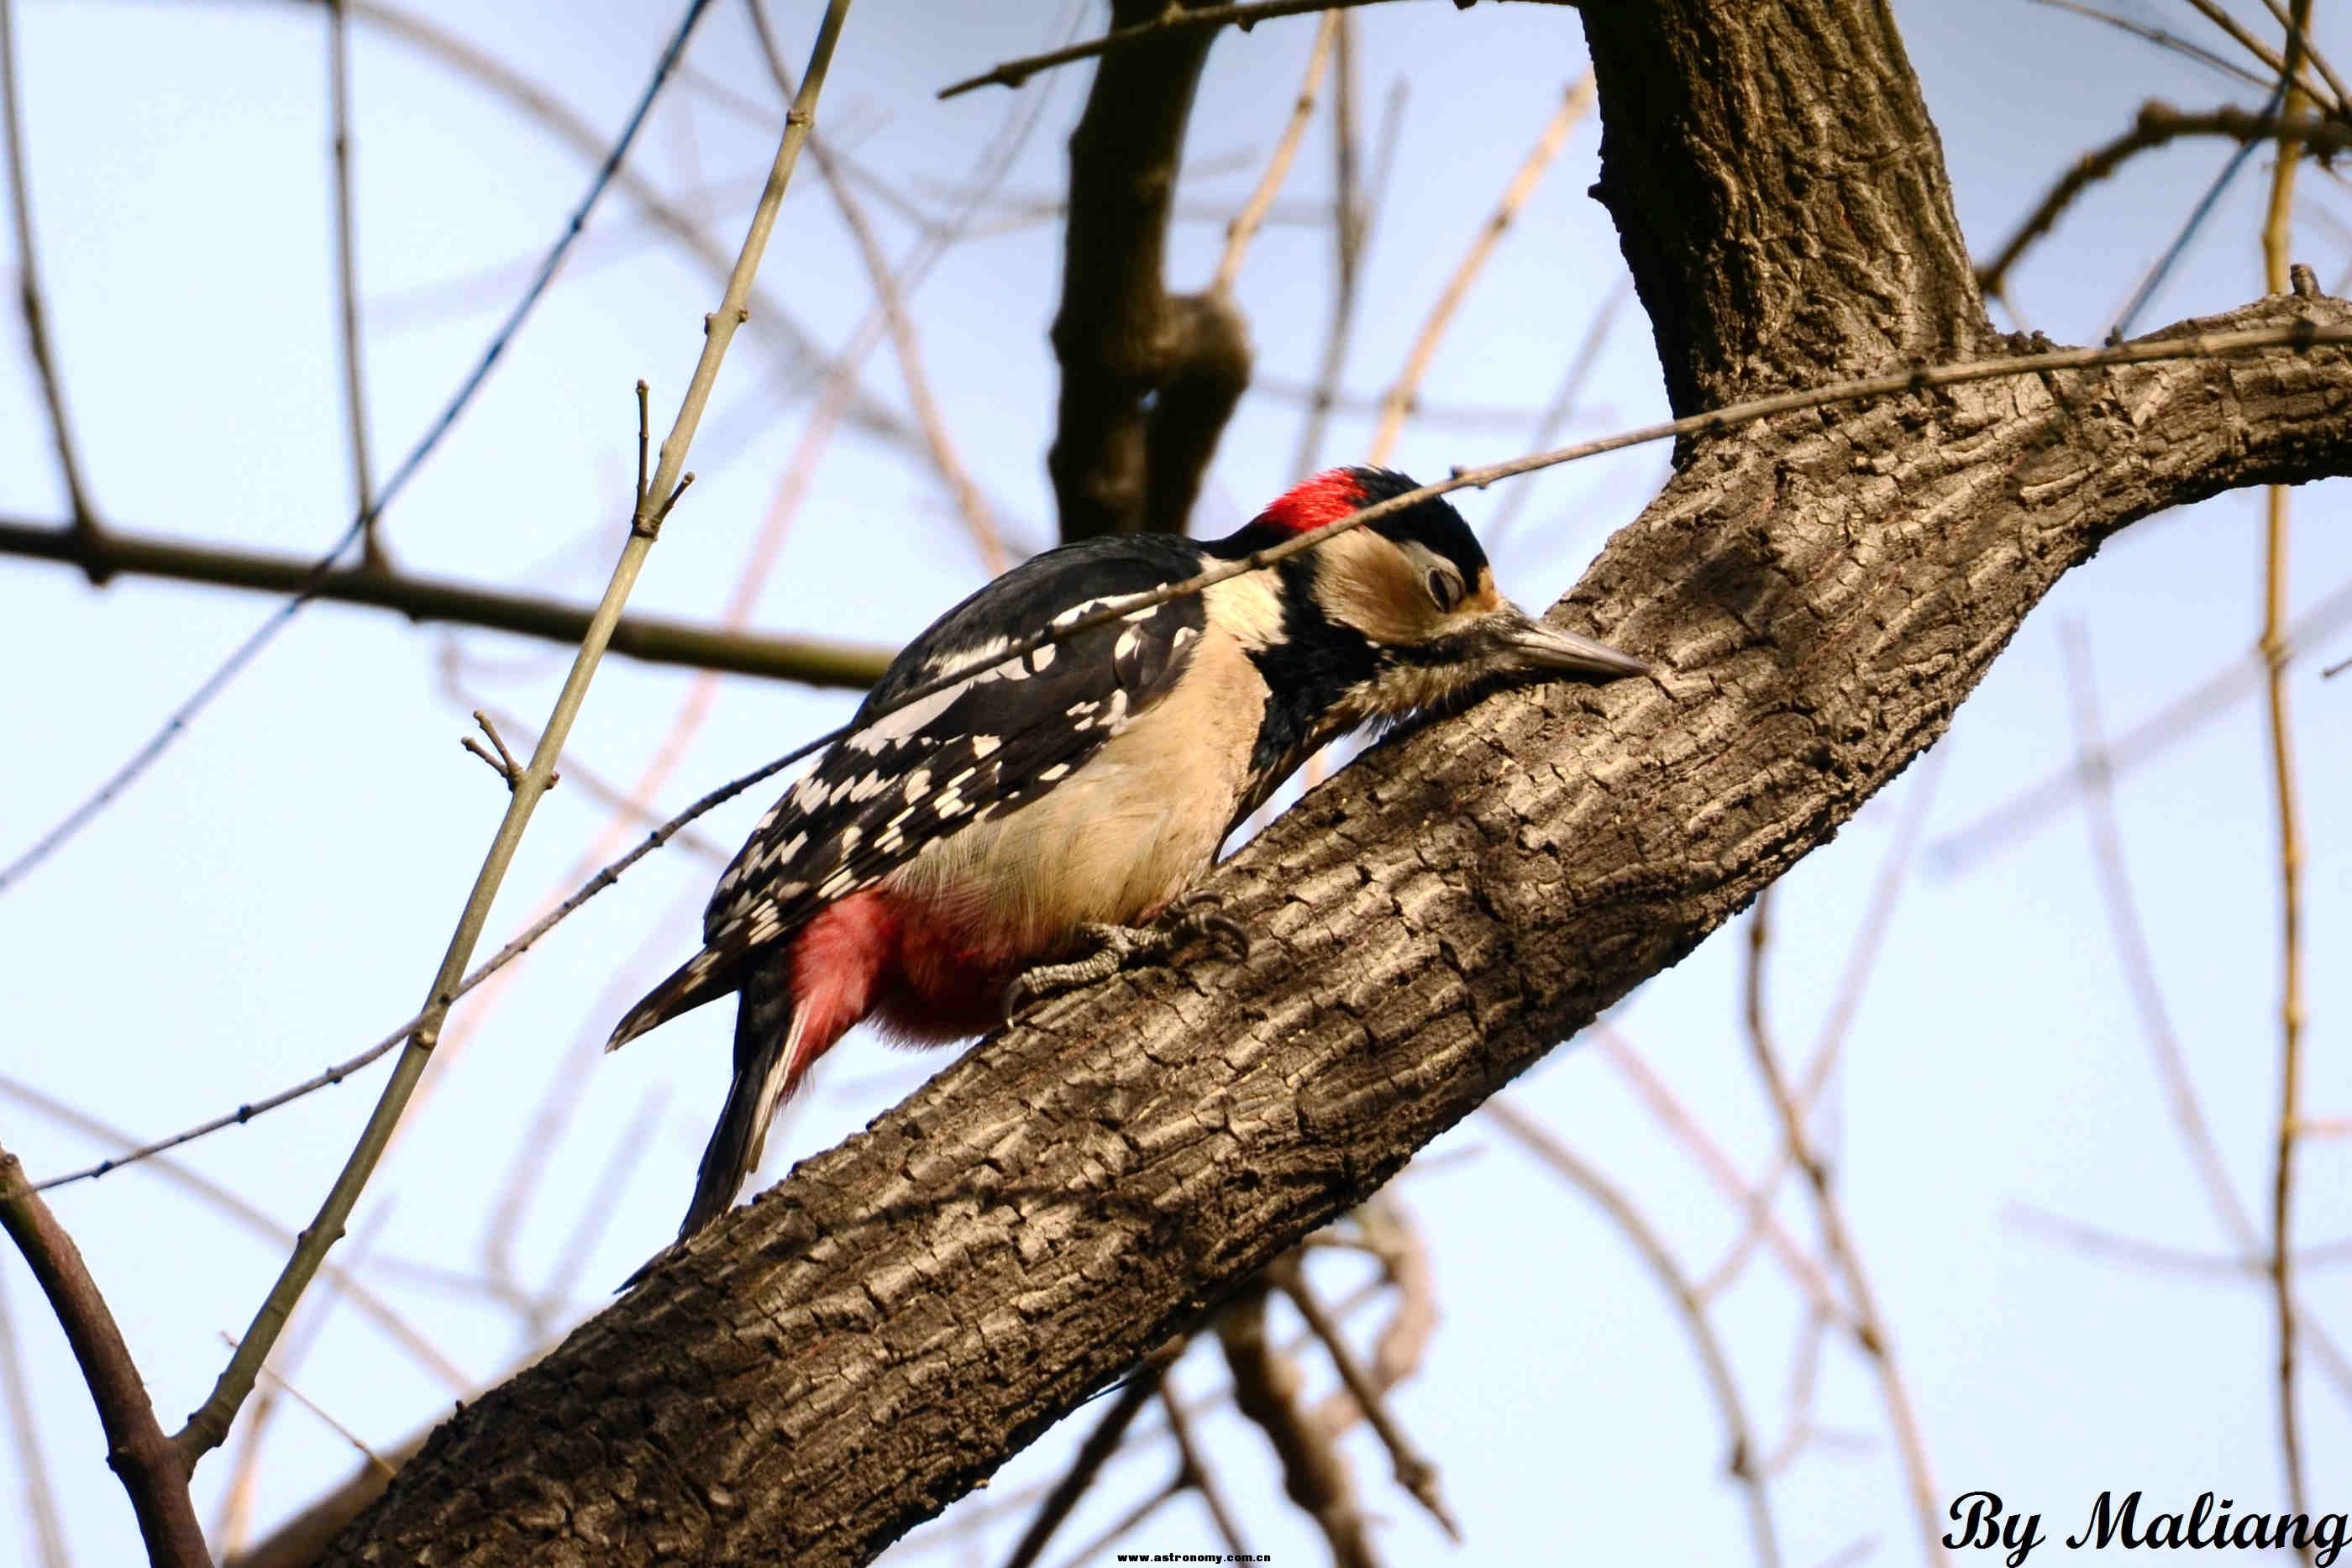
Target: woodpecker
[945, 848]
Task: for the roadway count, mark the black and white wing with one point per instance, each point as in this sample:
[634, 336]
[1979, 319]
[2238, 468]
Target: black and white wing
[907, 777]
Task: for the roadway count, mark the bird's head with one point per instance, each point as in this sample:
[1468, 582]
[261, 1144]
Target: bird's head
[1402, 613]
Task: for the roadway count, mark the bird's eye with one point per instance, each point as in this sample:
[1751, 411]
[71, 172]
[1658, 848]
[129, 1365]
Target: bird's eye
[1445, 588]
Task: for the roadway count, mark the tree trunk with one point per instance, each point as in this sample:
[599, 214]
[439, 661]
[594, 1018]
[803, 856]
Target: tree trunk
[831, 1366]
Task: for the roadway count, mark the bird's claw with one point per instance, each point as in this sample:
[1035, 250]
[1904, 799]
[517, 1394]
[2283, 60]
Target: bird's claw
[1116, 947]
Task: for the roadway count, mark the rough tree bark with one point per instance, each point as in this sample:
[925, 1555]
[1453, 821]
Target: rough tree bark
[841, 1360]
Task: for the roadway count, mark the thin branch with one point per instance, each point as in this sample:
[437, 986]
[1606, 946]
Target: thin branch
[1878, 917]
[28, 290]
[1173, 21]
[2171, 42]
[2279, 274]
[2302, 39]
[1670, 1110]
[347, 279]
[32, 1460]
[1092, 1551]
[2025, 812]
[387, 1317]
[206, 1428]
[652, 640]
[1383, 1231]
[1142, 1385]
[790, 342]
[1869, 1325]
[136, 1448]
[1196, 1475]
[1562, 407]
[2157, 125]
[2288, 67]
[227, 672]
[1398, 403]
[1246, 223]
[969, 503]
[368, 1456]
[1265, 1387]
[1413, 1470]
[1572, 1167]
[1350, 221]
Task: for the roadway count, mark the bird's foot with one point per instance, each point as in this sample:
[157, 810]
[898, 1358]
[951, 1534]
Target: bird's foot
[1114, 947]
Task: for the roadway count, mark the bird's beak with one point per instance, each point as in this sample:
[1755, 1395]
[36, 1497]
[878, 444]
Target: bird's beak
[1529, 644]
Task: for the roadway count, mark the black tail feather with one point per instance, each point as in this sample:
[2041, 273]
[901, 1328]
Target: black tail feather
[764, 1016]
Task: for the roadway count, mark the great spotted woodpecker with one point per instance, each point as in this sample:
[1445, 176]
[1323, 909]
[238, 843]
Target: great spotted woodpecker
[1065, 797]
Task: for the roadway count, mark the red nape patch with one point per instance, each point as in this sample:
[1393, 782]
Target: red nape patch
[1325, 498]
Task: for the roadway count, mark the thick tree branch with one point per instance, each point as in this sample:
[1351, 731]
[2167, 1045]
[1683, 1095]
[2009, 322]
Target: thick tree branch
[645, 637]
[1779, 194]
[1148, 379]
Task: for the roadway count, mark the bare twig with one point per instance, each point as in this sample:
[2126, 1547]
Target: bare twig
[2172, 42]
[1870, 1325]
[84, 520]
[1265, 1387]
[1669, 1109]
[227, 672]
[347, 279]
[1348, 224]
[504, 763]
[367, 1454]
[969, 503]
[2279, 274]
[1398, 403]
[2026, 811]
[1173, 21]
[397, 1329]
[1743, 1461]
[141, 1456]
[1562, 407]
[32, 1461]
[1413, 1470]
[650, 639]
[2288, 67]
[1383, 1231]
[2157, 125]
[787, 338]
[1142, 1385]
[2302, 39]
[2302, 337]
[1246, 223]
[1196, 1475]
[205, 1428]
[1877, 918]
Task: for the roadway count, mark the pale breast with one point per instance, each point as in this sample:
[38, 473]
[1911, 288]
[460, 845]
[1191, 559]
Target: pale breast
[1126, 831]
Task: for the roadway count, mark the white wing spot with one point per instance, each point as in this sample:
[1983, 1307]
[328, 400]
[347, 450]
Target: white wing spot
[1055, 771]
[919, 783]
[904, 723]
[984, 745]
[1043, 657]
